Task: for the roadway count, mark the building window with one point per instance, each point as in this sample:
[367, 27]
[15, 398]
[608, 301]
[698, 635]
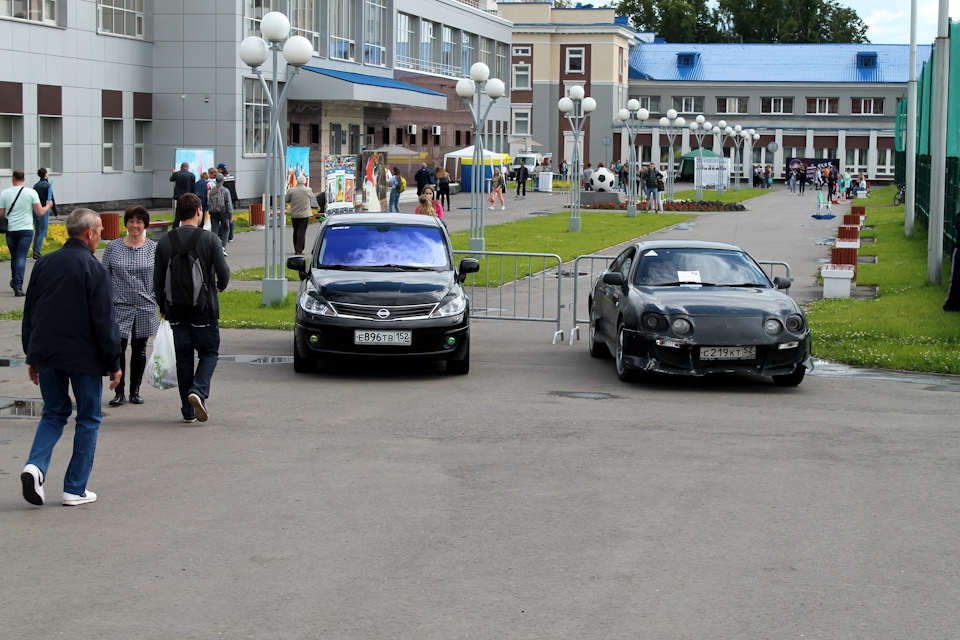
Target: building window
[112, 145]
[688, 104]
[140, 128]
[256, 118]
[501, 67]
[342, 25]
[6, 144]
[253, 11]
[447, 50]
[866, 106]
[374, 33]
[521, 77]
[487, 47]
[50, 143]
[404, 40]
[776, 105]
[428, 41]
[521, 122]
[885, 164]
[305, 21]
[44, 11]
[731, 105]
[467, 52]
[121, 18]
[823, 106]
[825, 153]
[575, 57]
[650, 103]
[856, 161]
[521, 51]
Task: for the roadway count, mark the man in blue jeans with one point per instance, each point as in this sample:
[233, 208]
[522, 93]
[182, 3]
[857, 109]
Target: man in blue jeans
[195, 326]
[69, 283]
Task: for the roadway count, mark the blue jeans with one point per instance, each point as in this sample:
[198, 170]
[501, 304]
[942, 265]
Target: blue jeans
[204, 338]
[39, 231]
[88, 390]
[394, 201]
[19, 244]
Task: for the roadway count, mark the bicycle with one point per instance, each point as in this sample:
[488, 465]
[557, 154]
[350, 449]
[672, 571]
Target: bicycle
[901, 194]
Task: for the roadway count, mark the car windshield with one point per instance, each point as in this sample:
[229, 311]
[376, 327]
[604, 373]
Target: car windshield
[691, 266]
[392, 246]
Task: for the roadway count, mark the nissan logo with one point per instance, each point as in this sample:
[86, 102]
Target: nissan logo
[383, 314]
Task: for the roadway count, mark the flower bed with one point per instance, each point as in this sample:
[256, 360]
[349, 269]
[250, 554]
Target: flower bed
[679, 205]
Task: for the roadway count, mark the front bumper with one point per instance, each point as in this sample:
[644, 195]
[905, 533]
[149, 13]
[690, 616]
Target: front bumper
[641, 351]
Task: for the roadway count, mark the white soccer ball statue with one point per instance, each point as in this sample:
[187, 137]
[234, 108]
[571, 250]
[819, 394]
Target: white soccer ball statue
[603, 180]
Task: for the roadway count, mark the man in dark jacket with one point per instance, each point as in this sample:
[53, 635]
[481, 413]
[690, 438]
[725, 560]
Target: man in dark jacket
[45, 191]
[423, 178]
[195, 328]
[183, 182]
[230, 182]
[523, 174]
[69, 283]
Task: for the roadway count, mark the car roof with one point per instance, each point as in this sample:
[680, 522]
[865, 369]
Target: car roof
[382, 217]
[687, 244]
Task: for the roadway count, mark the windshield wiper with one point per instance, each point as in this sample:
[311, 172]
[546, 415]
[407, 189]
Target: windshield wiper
[678, 284]
[745, 284]
[406, 267]
[336, 267]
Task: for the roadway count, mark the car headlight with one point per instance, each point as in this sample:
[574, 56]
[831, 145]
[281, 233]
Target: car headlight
[795, 323]
[313, 304]
[452, 307]
[772, 327]
[682, 326]
[653, 322]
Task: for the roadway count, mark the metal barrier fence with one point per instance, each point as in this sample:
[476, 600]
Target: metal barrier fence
[593, 274]
[528, 275]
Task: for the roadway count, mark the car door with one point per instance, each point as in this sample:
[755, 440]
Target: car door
[609, 297]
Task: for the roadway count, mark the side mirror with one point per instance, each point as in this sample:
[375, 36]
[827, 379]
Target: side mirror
[613, 277]
[298, 264]
[781, 282]
[467, 265]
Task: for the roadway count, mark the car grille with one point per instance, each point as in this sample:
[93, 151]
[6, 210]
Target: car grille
[370, 312]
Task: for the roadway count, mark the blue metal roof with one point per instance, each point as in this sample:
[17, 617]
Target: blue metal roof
[829, 63]
[373, 81]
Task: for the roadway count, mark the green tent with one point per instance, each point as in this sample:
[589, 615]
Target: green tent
[689, 160]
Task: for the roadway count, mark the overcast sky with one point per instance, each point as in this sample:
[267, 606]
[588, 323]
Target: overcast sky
[889, 20]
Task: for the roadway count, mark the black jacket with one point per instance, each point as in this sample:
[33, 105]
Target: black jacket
[184, 182]
[68, 320]
[210, 252]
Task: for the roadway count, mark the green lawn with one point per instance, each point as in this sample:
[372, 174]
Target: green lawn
[904, 327]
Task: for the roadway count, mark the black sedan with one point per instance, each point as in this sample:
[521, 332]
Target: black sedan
[383, 285]
[694, 308]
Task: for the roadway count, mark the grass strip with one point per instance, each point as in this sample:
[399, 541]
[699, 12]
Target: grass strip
[903, 328]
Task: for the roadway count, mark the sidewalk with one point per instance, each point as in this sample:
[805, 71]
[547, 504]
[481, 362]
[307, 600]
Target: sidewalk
[775, 226]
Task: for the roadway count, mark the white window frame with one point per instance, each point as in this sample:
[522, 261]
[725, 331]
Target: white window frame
[776, 106]
[732, 105]
[647, 102]
[305, 21]
[522, 51]
[688, 104]
[404, 60]
[887, 165]
[428, 43]
[519, 71]
[822, 107]
[7, 134]
[256, 119]
[112, 145]
[253, 11]
[50, 143]
[501, 67]
[140, 133]
[342, 24]
[825, 153]
[130, 14]
[521, 124]
[576, 53]
[40, 11]
[467, 51]
[868, 106]
[375, 33]
[859, 162]
[448, 51]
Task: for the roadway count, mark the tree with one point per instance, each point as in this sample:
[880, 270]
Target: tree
[672, 20]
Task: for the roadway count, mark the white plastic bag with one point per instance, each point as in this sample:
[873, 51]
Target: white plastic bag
[163, 362]
[207, 225]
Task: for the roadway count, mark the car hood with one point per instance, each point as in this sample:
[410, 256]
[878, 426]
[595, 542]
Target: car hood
[719, 301]
[383, 288]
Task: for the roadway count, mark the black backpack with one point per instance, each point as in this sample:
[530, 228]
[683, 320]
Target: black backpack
[217, 202]
[186, 284]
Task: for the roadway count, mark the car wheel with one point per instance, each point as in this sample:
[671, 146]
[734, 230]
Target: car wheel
[596, 345]
[460, 367]
[301, 364]
[625, 373]
[791, 379]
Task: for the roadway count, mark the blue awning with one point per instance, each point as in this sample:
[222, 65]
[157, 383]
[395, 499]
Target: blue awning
[328, 84]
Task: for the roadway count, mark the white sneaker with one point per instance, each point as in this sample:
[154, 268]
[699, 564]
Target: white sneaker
[501, 208]
[71, 500]
[491, 207]
[32, 479]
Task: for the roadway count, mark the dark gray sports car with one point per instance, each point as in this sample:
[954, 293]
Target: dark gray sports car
[694, 308]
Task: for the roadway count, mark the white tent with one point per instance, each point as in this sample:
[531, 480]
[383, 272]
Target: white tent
[493, 157]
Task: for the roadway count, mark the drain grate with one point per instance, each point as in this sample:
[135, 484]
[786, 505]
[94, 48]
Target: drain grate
[254, 359]
[585, 395]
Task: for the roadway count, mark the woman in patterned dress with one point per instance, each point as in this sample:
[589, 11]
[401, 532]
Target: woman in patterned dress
[130, 262]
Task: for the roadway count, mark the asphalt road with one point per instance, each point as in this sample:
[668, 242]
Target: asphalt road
[537, 497]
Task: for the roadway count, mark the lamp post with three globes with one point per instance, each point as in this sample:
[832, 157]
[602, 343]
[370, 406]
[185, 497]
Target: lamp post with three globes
[632, 119]
[672, 124]
[577, 108]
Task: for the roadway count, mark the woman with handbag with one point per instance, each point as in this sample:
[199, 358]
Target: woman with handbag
[18, 205]
[130, 262]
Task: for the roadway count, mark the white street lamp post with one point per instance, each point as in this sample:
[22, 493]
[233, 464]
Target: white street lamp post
[470, 89]
[700, 129]
[254, 51]
[577, 108]
[737, 136]
[672, 124]
[632, 119]
[749, 136]
[722, 131]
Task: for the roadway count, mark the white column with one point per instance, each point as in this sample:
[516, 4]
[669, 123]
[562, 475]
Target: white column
[808, 152]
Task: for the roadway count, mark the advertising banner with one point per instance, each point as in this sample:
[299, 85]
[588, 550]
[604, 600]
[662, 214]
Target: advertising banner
[711, 173]
[341, 172]
[810, 166]
[198, 159]
[298, 164]
[374, 186]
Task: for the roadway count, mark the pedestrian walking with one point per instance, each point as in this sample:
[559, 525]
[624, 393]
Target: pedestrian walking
[443, 186]
[69, 283]
[523, 174]
[301, 199]
[192, 307]
[44, 189]
[220, 204]
[230, 182]
[496, 190]
[422, 178]
[129, 261]
[19, 205]
[183, 182]
[395, 185]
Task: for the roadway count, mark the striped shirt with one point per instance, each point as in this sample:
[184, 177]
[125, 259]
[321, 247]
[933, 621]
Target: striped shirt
[132, 271]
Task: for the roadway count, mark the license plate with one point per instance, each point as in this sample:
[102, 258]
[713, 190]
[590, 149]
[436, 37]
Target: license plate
[728, 353]
[399, 338]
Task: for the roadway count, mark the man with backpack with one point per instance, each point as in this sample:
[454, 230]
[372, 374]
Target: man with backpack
[188, 271]
[220, 206]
